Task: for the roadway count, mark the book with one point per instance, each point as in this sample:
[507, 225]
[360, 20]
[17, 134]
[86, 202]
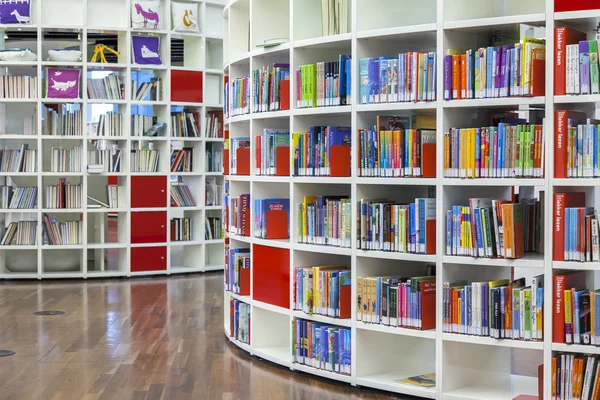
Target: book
[425, 380]
[240, 321]
[237, 211]
[324, 84]
[181, 196]
[214, 124]
[322, 290]
[59, 121]
[270, 225]
[324, 220]
[237, 270]
[321, 346]
[561, 202]
[322, 151]
[213, 228]
[561, 282]
[63, 195]
[20, 233]
[181, 229]
[334, 17]
[236, 97]
[235, 145]
[269, 145]
[109, 87]
[266, 87]
[566, 124]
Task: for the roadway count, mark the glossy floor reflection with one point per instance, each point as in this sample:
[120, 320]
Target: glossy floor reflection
[159, 338]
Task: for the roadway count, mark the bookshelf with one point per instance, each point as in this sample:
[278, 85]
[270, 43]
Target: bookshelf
[131, 236]
[466, 367]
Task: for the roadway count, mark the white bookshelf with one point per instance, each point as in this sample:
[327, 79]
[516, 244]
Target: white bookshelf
[466, 367]
[81, 24]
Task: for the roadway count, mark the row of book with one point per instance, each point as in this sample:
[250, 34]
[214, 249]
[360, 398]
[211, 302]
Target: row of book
[148, 91]
[266, 88]
[576, 68]
[323, 291]
[61, 233]
[182, 160]
[18, 87]
[144, 160]
[108, 88]
[396, 227]
[63, 195]
[324, 84]
[66, 160]
[322, 151]
[213, 228]
[21, 233]
[214, 125]
[503, 151]
[213, 192]
[141, 125]
[239, 321]
[181, 196]
[500, 309]
[399, 301]
[104, 160]
[575, 376]
[334, 17]
[236, 96]
[22, 160]
[30, 124]
[109, 124]
[62, 121]
[23, 197]
[214, 158]
[410, 77]
[237, 214]
[581, 241]
[237, 271]
[496, 71]
[495, 228]
[271, 218]
[234, 145]
[576, 310]
[181, 229]
[576, 147]
[321, 346]
[266, 151]
[185, 124]
[325, 220]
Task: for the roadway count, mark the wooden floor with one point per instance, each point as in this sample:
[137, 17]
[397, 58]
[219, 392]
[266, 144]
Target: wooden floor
[159, 338]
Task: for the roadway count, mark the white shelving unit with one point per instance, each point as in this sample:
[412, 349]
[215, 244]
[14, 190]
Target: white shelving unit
[466, 367]
[105, 252]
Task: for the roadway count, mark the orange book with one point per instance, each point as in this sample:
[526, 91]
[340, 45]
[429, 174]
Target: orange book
[553, 377]
[427, 294]
[282, 158]
[463, 76]
[339, 159]
[243, 161]
[596, 392]
[446, 152]
[456, 77]
[508, 228]
[244, 281]
[258, 156]
[284, 95]
[428, 157]
[538, 72]
[277, 224]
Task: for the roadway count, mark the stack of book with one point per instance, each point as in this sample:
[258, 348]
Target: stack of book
[22, 233]
[502, 71]
[107, 155]
[324, 84]
[109, 124]
[61, 233]
[214, 157]
[63, 122]
[321, 346]
[503, 151]
[266, 150]
[322, 151]
[66, 160]
[334, 17]
[237, 211]
[18, 87]
[185, 124]
[147, 91]
[63, 195]
[500, 309]
[144, 158]
[409, 77]
[181, 229]
[213, 229]
[214, 125]
[276, 227]
[23, 160]
[182, 160]
[267, 90]
[494, 228]
[141, 124]
[18, 197]
[181, 196]
[325, 220]
[237, 97]
[576, 63]
[398, 301]
[237, 271]
[213, 192]
[108, 88]
[322, 290]
[95, 168]
[239, 321]
[575, 376]
[235, 145]
[396, 227]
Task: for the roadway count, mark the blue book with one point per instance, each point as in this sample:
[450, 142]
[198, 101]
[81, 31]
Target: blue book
[364, 80]
[401, 77]
[270, 205]
[449, 232]
[595, 139]
[540, 306]
[373, 80]
[348, 80]
[383, 80]
[342, 90]
[478, 232]
[488, 73]
[324, 347]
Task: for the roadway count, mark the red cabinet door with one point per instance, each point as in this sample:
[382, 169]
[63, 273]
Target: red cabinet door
[149, 227]
[148, 259]
[148, 191]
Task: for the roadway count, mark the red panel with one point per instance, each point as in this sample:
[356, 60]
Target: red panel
[148, 259]
[271, 275]
[148, 191]
[575, 5]
[149, 227]
[186, 86]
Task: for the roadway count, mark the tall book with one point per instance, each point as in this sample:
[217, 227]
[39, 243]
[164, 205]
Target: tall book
[560, 284]
[563, 36]
[562, 120]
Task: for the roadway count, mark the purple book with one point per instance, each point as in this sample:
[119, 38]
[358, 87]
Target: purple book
[448, 77]
[498, 63]
[503, 72]
[584, 67]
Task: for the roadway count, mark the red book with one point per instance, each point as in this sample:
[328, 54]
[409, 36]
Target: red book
[244, 217]
[243, 161]
[427, 293]
[561, 126]
[277, 224]
[282, 158]
[463, 76]
[284, 94]
[560, 283]
[456, 93]
[538, 72]
[562, 37]
[345, 301]
[271, 275]
[575, 5]
[428, 157]
[561, 201]
[258, 156]
[245, 280]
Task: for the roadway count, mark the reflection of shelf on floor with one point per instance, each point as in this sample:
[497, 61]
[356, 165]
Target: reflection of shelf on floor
[278, 355]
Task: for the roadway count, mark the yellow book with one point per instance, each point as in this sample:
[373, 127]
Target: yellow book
[359, 298]
[424, 122]
[410, 149]
[568, 317]
[454, 52]
[527, 46]
[473, 143]
[296, 158]
[307, 201]
[592, 320]
[402, 225]
[463, 152]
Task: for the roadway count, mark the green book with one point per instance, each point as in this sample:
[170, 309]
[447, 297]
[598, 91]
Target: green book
[595, 84]
[527, 313]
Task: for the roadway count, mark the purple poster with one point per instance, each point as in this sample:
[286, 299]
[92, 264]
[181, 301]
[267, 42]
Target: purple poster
[14, 12]
[146, 50]
[62, 83]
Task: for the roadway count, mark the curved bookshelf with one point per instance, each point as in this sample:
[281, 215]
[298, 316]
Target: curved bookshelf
[110, 244]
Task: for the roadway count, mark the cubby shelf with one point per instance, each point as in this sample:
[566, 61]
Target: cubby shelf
[128, 252]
